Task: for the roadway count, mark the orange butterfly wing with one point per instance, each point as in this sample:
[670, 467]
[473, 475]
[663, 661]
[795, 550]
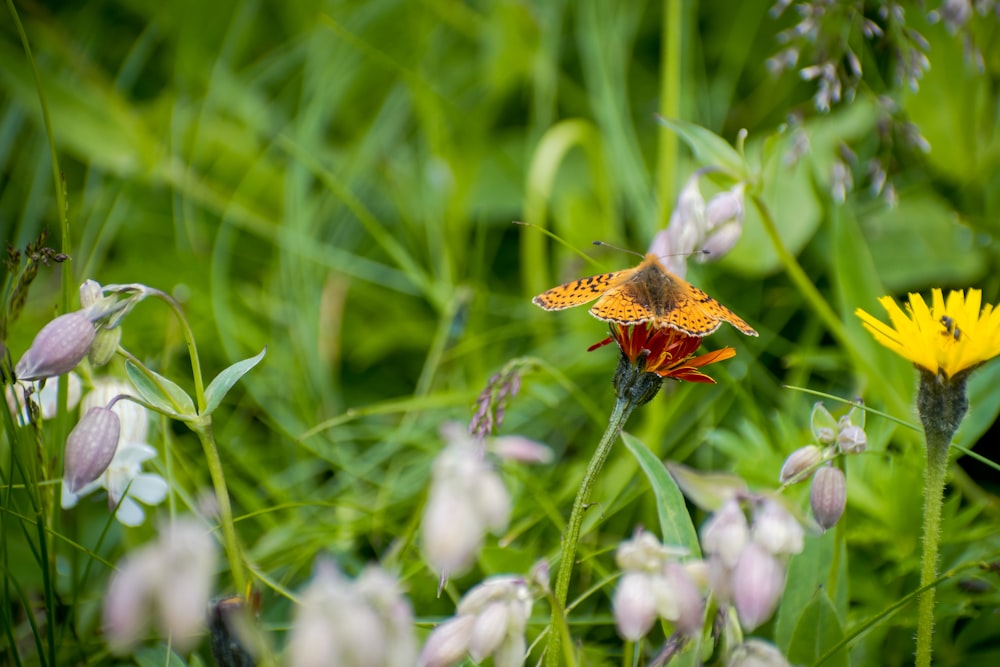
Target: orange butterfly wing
[578, 292]
[619, 305]
[697, 314]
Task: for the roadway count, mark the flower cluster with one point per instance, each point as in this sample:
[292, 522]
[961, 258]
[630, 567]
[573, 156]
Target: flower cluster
[655, 584]
[746, 560]
[707, 231]
[361, 623]
[490, 621]
[832, 438]
[468, 498]
[170, 580]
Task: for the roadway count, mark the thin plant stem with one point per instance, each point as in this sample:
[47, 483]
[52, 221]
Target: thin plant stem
[934, 476]
[204, 430]
[571, 535]
[670, 107]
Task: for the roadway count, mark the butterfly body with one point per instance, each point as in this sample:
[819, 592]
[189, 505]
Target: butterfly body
[646, 293]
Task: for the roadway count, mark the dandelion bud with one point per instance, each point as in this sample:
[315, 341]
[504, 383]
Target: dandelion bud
[824, 426]
[776, 530]
[758, 580]
[757, 653]
[634, 606]
[852, 439]
[828, 495]
[800, 462]
[726, 533]
[89, 449]
[57, 348]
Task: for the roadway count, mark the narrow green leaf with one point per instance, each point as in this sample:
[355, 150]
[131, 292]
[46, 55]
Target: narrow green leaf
[675, 522]
[706, 490]
[225, 380]
[161, 392]
[817, 630]
[709, 148]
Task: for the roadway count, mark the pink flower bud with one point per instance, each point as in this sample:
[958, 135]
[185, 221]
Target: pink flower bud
[521, 449]
[690, 604]
[852, 439]
[776, 530]
[448, 644]
[57, 348]
[489, 630]
[758, 581]
[756, 653]
[634, 606]
[89, 449]
[799, 463]
[828, 495]
[726, 533]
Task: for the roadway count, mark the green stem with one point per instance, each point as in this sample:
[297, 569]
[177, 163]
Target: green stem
[571, 536]
[670, 107]
[937, 466]
[199, 383]
[204, 430]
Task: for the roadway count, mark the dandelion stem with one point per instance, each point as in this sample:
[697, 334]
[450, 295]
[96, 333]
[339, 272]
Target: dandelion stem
[571, 536]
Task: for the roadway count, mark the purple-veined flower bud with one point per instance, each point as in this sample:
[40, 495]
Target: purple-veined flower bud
[852, 439]
[448, 643]
[799, 463]
[57, 348]
[758, 581]
[489, 630]
[824, 426]
[690, 603]
[776, 530]
[634, 605]
[726, 533]
[756, 653]
[828, 495]
[89, 449]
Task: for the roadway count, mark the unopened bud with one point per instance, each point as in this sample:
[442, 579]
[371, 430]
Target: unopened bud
[775, 529]
[105, 345]
[757, 653]
[489, 630]
[799, 463]
[448, 643]
[634, 606]
[725, 208]
[726, 533]
[89, 449]
[828, 495]
[852, 439]
[90, 293]
[690, 604]
[58, 347]
[758, 581]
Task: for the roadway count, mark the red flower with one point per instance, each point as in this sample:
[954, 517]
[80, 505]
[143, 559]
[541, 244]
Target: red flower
[667, 352]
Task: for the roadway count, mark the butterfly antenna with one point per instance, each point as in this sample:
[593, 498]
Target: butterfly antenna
[609, 245]
[702, 251]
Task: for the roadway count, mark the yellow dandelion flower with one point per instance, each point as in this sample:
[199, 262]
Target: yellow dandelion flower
[944, 339]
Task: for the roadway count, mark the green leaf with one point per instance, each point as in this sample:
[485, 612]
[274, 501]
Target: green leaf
[675, 521]
[161, 392]
[709, 148]
[225, 380]
[706, 490]
[808, 572]
[157, 656]
[818, 629]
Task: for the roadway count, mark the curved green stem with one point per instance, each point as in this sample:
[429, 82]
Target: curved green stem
[937, 466]
[204, 430]
[571, 535]
[199, 383]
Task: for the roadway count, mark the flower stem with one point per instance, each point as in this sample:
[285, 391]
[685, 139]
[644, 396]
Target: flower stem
[204, 430]
[571, 536]
[937, 465]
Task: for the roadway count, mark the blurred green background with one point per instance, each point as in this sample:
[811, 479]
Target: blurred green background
[338, 180]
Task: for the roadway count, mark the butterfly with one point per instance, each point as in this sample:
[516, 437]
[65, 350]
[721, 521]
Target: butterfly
[645, 293]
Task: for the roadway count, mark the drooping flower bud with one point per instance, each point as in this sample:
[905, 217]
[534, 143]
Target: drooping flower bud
[757, 653]
[775, 529]
[726, 533]
[634, 605]
[57, 348]
[852, 439]
[758, 581]
[828, 495]
[724, 222]
[690, 604]
[799, 463]
[448, 644]
[89, 449]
